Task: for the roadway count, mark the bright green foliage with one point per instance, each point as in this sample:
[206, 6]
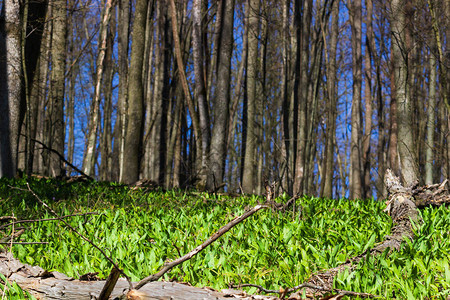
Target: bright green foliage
[141, 230]
[12, 291]
[420, 270]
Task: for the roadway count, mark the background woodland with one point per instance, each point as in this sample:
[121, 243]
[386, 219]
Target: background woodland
[320, 97]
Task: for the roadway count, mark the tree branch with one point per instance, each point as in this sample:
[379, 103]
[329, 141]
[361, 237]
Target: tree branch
[199, 248]
[63, 159]
[43, 220]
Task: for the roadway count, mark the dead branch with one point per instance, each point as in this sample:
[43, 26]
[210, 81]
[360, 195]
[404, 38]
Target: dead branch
[61, 157]
[199, 248]
[24, 243]
[109, 284]
[6, 218]
[45, 220]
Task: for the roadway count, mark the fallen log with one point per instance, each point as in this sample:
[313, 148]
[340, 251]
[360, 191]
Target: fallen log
[43, 284]
[402, 206]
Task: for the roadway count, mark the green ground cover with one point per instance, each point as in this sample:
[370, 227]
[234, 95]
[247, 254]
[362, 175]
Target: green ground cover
[142, 229]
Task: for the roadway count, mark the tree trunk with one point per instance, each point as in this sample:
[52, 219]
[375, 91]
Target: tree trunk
[393, 124]
[187, 94]
[248, 180]
[222, 97]
[148, 71]
[40, 165]
[327, 190]
[121, 121]
[94, 116]
[261, 98]
[355, 145]
[406, 147]
[10, 86]
[156, 114]
[303, 13]
[106, 133]
[368, 57]
[36, 13]
[287, 109]
[431, 108]
[70, 112]
[56, 103]
[200, 89]
[135, 115]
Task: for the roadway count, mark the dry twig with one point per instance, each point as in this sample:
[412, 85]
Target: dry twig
[199, 248]
[44, 220]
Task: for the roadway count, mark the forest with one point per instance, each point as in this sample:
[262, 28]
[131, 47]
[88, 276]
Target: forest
[156, 124]
[320, 97]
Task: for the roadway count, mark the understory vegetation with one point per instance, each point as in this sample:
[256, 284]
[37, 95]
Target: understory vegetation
[140, 229]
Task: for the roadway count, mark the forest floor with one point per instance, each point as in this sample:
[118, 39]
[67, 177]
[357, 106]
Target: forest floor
[311, 248]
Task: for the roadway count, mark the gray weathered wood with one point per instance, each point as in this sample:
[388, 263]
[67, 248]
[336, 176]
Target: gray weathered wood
[54, 285]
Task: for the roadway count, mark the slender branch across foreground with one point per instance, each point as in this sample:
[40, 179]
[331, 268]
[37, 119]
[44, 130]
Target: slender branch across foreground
[49, 219]
[199, 248]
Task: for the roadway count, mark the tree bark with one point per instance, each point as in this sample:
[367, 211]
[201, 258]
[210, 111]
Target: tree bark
[406, 149]
[36, 13]
[200, 88]
[121, 121]
[187, 94]
[158, 103]
[222, 97]
[71, 57]
[287, 109]
[56, 103]
[355, 144]
[135, 115]
[94, 116]
[431, 119]
[366, 144]
[248, 180]
[303, 13]
[105, 170]
[327, 190]
[10, 86]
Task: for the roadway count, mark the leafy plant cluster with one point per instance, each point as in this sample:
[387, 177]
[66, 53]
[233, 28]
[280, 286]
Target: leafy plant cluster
[141, 230]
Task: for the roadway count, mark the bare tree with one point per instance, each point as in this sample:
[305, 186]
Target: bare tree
[10, 85]
[94, 117]
[355, 145]
[431, 119]
[248, 180]
[123, 22]
[200, 86]
[34, 14]
[331, 67]
[184, 83]
[135, 115]
[222, 96]
[55, 122]
[105, 170]
[303, 14]
[407, 156]
[368, 58]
